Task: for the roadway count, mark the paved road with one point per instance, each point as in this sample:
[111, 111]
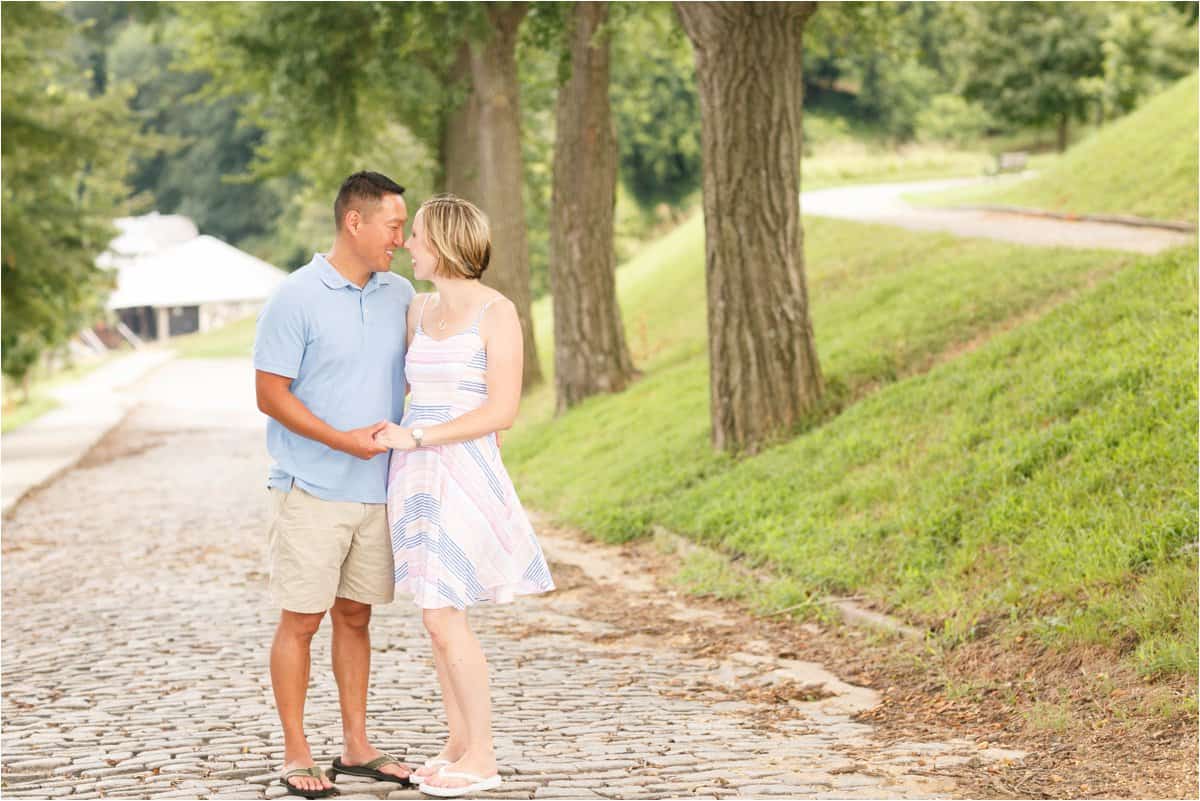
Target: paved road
[136, 625]
[884, 203]
[90, 407]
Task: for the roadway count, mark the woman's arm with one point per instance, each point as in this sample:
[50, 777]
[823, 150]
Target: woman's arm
[505, 363]
[415, 307]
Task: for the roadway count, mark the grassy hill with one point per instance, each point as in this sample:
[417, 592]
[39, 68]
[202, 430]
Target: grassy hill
[1010, 439]
[1143, 164]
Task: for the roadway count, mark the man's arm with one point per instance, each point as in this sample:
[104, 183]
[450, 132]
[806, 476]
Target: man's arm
[275, 399]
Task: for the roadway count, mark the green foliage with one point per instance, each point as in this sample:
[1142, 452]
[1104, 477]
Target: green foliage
[951, 118]
[210, 141]
[1029, 63]
[307, 220]
[372, 64]
[540, 62]
[880, 63]
[655, 106]
[1041, 478]
[65, 156]
[1143, 164]
[1146, 46]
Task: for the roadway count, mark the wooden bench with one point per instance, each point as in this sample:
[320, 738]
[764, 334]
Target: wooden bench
[1014, 161]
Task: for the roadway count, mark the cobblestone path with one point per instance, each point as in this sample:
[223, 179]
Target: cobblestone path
[136, 627]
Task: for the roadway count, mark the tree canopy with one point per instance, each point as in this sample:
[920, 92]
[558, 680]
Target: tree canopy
[66, 154]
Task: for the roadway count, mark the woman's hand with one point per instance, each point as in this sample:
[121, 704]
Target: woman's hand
[396, 437]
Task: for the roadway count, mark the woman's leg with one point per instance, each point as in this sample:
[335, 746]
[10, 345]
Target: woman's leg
[461, 658]
[456, 741]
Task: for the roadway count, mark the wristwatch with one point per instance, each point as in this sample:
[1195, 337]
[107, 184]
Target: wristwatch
[418, 434]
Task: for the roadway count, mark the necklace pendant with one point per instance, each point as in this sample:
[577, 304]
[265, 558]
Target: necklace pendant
[441, 325]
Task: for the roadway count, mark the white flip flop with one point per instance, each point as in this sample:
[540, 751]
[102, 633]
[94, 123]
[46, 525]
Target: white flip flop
[477, 784]
[417, 778]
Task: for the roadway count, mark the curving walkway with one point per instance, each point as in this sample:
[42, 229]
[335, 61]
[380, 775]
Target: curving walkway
[885, 204]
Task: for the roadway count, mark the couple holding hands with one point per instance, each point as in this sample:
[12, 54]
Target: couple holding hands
[337, 348]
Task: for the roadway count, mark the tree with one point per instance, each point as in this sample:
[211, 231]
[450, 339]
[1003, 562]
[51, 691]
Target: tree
[590, 354]
[211, 139]
[377, 64]
[494, 75]
[65, 155]
[764, 373]
[1146, 47]
[1030, 63]
[893, 55]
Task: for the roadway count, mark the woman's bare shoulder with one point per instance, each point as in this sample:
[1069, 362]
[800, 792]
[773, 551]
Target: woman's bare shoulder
[418, 302]
[498, 301]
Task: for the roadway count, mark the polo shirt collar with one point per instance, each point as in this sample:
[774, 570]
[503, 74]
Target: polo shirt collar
[335, 280]
[329, 274]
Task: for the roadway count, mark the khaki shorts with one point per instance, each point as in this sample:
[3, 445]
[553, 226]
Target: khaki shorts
[321, 550]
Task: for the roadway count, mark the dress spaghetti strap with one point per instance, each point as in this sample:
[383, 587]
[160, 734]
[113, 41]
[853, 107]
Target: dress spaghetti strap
[421, 314]
[479, 317]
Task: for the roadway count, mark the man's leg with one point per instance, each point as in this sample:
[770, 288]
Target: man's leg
[352, 669]
[289, 679]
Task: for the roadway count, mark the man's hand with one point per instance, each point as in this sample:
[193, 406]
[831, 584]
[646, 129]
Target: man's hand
[361, 442]
[397, 437]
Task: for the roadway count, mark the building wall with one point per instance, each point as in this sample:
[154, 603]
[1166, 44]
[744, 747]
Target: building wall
[159, 323]
[216, 315]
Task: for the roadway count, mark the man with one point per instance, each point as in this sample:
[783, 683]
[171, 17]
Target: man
[329, 372]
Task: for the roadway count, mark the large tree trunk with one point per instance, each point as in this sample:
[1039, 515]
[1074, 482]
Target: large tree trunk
[590, 355]
[494, 74]
[460, 134]
[1063, 121]
[764, 374]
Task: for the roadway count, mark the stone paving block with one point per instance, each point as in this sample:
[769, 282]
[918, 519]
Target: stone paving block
[42, 765]
[41, 792]
[621, 791]
[565, 792]
[182, 688]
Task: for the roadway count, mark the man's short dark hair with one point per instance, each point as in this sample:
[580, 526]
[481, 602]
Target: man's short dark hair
[360, 188]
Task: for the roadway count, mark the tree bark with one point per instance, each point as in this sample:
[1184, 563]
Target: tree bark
[1063, 121]
[494, 75]
[460, 134]
[764, 376]
[590, 354]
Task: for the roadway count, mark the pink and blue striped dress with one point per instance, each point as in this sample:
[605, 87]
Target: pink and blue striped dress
[459, 533]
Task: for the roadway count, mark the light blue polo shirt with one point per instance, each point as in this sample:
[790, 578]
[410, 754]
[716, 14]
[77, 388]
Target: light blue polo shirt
[343, 347]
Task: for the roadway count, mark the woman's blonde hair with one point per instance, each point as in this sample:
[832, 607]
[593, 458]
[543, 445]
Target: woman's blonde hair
[459, 234]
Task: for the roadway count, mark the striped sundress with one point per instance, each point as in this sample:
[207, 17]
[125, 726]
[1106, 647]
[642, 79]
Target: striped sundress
[459, 533]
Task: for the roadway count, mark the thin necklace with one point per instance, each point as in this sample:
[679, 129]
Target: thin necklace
[441, 326]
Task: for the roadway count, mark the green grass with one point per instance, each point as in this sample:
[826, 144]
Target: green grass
[847, 163]
[22, 412]
[230, 341]
[19, 410]
[1041, 478]
[1143, 164]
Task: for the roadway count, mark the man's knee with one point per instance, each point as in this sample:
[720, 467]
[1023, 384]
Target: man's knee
[301, 625]
[350, 614]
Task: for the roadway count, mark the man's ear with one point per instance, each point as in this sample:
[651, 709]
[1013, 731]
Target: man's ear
[352, 221]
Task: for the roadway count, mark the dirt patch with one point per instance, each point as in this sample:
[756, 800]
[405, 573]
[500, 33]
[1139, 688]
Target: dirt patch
[120, 443]
[1091, 727]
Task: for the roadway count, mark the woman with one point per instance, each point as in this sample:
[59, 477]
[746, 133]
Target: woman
[459, 534]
